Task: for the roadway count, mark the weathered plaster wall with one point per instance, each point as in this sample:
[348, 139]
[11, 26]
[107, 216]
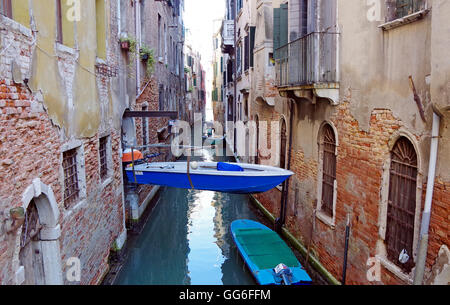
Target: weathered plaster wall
[69, 106]
[376, 64]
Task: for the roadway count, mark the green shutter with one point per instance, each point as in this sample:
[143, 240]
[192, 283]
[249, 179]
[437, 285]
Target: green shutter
[283, 24]
[252, 44]
[276, 30]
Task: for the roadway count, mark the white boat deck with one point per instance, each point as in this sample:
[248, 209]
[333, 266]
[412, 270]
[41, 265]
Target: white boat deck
[210, 168]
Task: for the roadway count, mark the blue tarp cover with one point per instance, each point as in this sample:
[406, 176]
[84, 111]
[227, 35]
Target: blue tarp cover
[222, 166]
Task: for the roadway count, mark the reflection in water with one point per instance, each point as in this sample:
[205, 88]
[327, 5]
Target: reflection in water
[187, 240]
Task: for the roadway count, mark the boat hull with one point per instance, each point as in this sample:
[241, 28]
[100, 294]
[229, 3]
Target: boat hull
[212, 180]
[262, 258]
[224, 184]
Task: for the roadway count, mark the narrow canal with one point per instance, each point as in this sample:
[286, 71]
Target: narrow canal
[187, 240]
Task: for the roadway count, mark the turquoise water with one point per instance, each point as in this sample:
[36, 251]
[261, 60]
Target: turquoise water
[187, 241]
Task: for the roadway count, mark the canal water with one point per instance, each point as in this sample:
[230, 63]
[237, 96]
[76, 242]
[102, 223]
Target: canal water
[187, 240]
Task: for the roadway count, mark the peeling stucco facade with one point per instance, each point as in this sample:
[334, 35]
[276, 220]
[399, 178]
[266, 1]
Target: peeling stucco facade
[53, 100]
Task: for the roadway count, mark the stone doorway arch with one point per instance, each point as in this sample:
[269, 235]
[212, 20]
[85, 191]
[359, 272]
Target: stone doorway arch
[39, 199]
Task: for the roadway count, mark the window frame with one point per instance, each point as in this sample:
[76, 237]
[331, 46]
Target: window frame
[330, 220]
[72, 189]
[59, 23]
[103, 157]
[7, 9]
[392, 20]
[246, 53]
[381, 253]
[77, 145]
[393, 203]
[411, 6]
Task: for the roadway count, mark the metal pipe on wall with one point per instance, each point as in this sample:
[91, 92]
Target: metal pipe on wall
[285, 191]
[235, 76]
[423, 239]
[137, 20]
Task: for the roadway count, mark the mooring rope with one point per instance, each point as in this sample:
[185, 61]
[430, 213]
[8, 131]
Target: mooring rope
[188, 174]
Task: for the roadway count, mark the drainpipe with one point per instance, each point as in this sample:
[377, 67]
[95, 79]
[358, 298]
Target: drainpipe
[285, 191]
[423, 240]
[235, 76]
[138, 47]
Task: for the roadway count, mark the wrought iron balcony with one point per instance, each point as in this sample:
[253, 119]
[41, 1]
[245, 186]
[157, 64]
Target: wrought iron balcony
[311, 61]
[227, 35]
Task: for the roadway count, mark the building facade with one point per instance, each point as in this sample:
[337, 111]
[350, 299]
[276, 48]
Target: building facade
[69, 82]
[217, 92]
[194, 86]
[152, 84]
[61, 197]
[358, 116]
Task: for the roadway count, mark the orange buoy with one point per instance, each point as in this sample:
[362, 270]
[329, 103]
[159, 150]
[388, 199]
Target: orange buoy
[137, 155]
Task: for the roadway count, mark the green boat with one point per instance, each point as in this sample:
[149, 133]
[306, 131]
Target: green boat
[269, 259]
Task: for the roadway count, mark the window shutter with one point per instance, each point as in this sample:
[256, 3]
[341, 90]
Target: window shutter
[246, 53]
[283, 24]
[304, 18]
[59, 29]
[252, 44]
[6, 8]
[276, 30]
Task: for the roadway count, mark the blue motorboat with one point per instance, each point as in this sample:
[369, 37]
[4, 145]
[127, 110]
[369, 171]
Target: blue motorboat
[223, 177]
[269, 259]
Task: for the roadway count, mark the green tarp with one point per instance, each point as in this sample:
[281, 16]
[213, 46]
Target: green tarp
[265, 248]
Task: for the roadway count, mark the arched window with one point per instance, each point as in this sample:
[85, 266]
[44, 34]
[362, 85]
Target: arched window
[328, 147]
[283, 140]
[402, 203]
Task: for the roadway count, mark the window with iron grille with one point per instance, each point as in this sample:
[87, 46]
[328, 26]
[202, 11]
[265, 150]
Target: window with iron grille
[401, 8]
[329, 169]
[103, 144]
[401, 203]
[6, 8]
[71, 188]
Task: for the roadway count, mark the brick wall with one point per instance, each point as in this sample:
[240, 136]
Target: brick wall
[439, 232]
[360, 166]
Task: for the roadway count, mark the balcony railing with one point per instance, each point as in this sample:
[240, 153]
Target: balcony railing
[311, 59]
